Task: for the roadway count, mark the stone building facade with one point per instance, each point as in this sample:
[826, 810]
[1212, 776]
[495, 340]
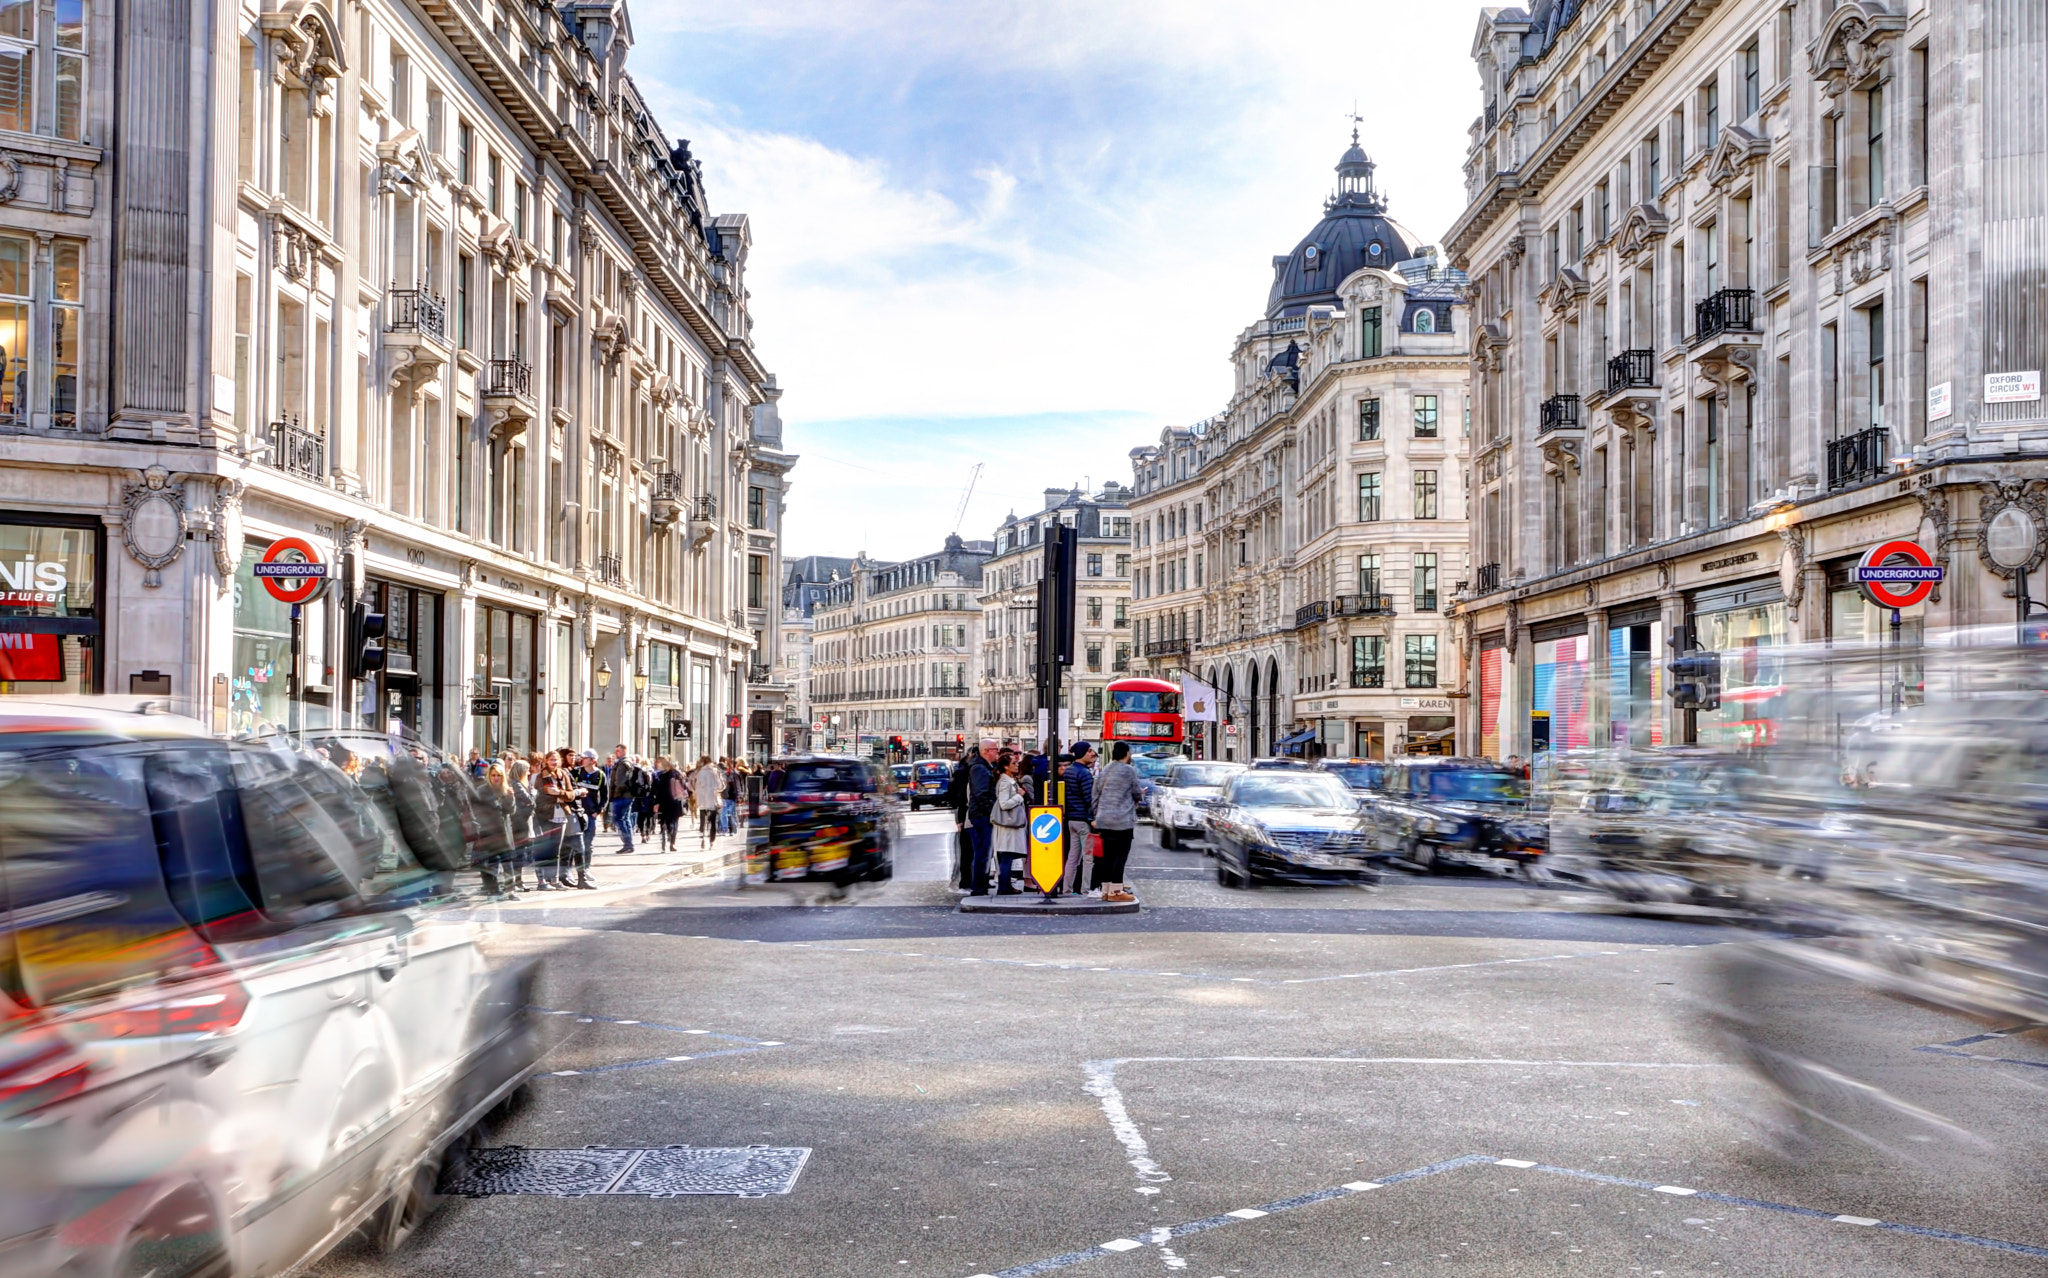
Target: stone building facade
[1758, 290]
[893, 654]
[804, 584]
[1103, 642]
[426, 287]
[1299, 551]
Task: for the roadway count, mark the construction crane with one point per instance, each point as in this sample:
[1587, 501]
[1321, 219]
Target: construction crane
[973, 476]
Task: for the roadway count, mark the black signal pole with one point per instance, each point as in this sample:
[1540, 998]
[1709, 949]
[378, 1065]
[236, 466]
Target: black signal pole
[1056, 624]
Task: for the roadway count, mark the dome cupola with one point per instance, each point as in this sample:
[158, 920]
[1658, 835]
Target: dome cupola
[1355, 233]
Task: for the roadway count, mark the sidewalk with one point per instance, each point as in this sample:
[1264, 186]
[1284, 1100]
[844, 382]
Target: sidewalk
[618, 875]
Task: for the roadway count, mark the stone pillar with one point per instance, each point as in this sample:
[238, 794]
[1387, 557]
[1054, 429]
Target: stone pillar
[1673, 604]
[1599, 682]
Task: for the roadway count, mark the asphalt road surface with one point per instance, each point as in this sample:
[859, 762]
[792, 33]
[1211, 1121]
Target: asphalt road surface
[1438, 1076]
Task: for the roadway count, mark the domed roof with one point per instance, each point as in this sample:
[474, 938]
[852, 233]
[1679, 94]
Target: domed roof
[1355, 232]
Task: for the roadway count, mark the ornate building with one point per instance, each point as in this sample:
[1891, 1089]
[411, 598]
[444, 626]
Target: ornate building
[426, 287]
[1298, 551]
[1740, 321]
[1103, 643]
[892, 654]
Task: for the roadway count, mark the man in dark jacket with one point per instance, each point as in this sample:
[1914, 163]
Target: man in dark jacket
[963, 838]
[981, 806]
[625, 783]
[591, 780]
[1080, 814]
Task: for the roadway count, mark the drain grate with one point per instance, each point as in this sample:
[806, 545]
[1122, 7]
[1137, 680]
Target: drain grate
[752, 1171]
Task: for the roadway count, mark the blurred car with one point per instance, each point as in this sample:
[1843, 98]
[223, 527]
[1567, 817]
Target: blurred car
[902, 778]
[826, 819]
[1150, 768]
[235, 1027]
[928, 779]
[1662, 829]
[1289, 827]
[1363, 776]
[1179, 799]
[1279, 765]
[1436, 811]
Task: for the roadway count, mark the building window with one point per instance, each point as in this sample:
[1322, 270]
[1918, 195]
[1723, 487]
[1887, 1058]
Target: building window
[59, 44]
[1095, 657]
[1094, 563]
[757, 507]
[1752, 79]
[1095, 608]
[1874, 104]
[1123, 566]
[1093, 702]
[1603, 203]
[1425, 321]
[1368, 420]
[1875, 389]
[1425, 411]
[1425, 582]
[1653, 166]
[1123, 612]
[465, 267]
[1710, 114]
[1368, 503]
[1421, 660]
[1425, 494]
[1369, 661]
[1369, 333]
[1369, 576]
[757, 580]
[465, 152]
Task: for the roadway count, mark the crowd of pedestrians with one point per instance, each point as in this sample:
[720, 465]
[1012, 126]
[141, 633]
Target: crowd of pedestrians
[992, 792]
[558, 801]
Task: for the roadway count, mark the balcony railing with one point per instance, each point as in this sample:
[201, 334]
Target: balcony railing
[707, 507]
[758, 673]
[1632, 370]
[950, 690]
[610, 570]
[1858, 458]
[1121, 623]
[1167, 648]
[1487, 579]
[1370, 677]
[300, 452]
[1314, 614]
[506, 377]
[1560, 412]
[1732, 310]
[1365, 605]
[666, 501]
[418, 310]
[1119, 667]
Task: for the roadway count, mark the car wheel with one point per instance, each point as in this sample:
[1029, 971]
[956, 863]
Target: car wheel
[1423, 855]
[164, 1246]
[410, 1205]
[1169, 838]
[1223, 875]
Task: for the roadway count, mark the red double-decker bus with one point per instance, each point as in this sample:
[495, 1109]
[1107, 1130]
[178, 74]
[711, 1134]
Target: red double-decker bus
[1143, 712]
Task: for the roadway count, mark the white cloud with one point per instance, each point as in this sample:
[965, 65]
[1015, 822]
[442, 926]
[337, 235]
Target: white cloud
[1098, 253]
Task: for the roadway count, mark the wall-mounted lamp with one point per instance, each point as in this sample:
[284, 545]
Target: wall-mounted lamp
[604, 674]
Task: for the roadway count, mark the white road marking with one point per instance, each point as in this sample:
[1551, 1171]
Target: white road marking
[1122, 1244]
[1854, 1220]
[1246, 1213]
[1360, 1186]
[1677, 1190]
[1513, 1162]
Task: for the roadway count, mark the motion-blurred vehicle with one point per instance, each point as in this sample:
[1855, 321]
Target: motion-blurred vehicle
[1289, 827]
[826, 820]
[928, 779]
[1179, 801]
[902, 780]
[1276, 764]
[1150, 768]
[1662, 830]
[1434, 811]
[235, 1024]
[1362, 775]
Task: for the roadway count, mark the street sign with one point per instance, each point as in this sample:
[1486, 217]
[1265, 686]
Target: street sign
[678, 725]
[732, 721]
[291, 570]
[1048, 847]
[1897, 574]
[485, 707]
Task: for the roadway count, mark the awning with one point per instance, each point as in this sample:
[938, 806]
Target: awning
[1302, 737]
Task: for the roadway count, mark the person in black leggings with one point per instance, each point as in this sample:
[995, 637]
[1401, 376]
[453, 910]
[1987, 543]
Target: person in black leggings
[1116, 820]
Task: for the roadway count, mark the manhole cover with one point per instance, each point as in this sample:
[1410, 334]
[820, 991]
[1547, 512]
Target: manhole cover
[753, 1171]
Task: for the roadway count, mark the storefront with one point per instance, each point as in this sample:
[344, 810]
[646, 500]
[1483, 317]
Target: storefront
[1635, 675]
[1494, 671]
[1747, 623]
[406, 696]
[51, 604]
[262, 682]
[507, 650]
[1558, 718]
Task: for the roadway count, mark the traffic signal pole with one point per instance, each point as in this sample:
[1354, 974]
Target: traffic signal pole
[1056, 592]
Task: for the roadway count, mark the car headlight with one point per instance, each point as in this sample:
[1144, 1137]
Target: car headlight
[1259, 834]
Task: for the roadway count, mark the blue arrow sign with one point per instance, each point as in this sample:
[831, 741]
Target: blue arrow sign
[1046, 829]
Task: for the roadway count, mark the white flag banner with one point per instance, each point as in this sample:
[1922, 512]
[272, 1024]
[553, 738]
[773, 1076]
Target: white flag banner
[1197, 701]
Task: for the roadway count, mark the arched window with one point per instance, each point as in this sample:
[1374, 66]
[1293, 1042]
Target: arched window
[1425, 321]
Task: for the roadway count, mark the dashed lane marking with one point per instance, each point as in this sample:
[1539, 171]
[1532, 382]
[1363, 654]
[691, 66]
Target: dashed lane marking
[1160, 1236]
[1954, 1047]
[743, 1046]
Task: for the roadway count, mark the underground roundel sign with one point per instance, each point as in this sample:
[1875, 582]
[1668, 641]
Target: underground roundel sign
[1897, 574]
[292, 571]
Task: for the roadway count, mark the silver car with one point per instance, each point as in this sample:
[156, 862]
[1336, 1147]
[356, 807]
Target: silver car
[1177, 804]
[236, 1024]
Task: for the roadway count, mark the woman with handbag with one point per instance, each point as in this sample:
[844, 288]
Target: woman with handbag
[671, 796]
[1012, 810]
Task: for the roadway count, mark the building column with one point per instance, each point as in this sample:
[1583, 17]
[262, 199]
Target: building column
[1673, 605]
[1599, 682]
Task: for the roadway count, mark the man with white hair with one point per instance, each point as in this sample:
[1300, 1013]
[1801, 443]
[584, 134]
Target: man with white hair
[981, 805]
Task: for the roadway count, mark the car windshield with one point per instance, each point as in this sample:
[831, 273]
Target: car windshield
[1151, 768]
[929, 771]
[823, 778]
[1202, 774]
[1359, 776]
[1267, 791]
[1472, 786]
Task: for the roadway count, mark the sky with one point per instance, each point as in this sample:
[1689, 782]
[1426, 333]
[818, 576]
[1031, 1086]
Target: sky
[1026, 233]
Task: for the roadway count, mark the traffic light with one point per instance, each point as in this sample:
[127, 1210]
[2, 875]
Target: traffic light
[1695, 674]
[365, 641]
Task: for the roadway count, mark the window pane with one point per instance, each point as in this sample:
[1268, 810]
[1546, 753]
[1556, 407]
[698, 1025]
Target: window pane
[71, 19]
[64, 321]
[71, 97]
[17, 90]
[13, 357]
[18, 19]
